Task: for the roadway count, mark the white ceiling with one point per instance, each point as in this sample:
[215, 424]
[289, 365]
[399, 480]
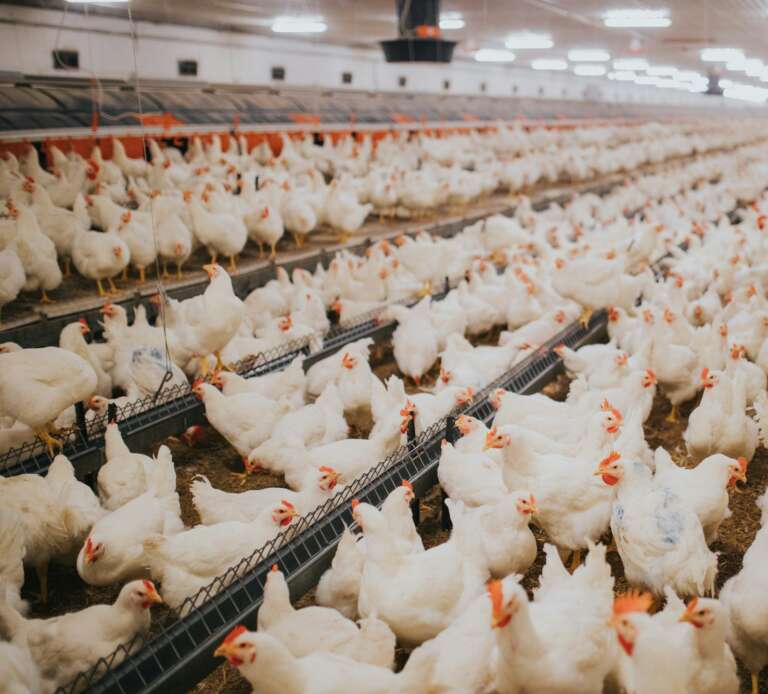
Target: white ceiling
[572, 23]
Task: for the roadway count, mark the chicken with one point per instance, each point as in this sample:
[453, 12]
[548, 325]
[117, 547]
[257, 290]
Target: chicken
[743, 596]
[561, 642]
[321, 629]
[100, 256]
[287, 385]
[215, 506]
[339, 586]
[190, 560]
[12, 276]
[39, 384]
[704, 488]
[221, 233]
[245, 420]
[72, 338]
[415, 340]
[66, 645]
[418, 595]
[113, 551]
[659, 537]
[125, 475]
[471, 478]
[203, 325]
[265, 226]
[502, 529]
[714, 668]
[270, 668]
[37, 254]
[720, 423]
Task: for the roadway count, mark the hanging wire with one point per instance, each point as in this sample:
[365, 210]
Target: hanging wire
[139, 115]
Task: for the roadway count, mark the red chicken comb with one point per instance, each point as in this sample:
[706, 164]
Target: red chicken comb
[355, 503]
[149, 586]
[274, 568]
[232, 635]
[287, 504]
[612, 457]
[407, 485]
[632, 601]
[743, 462]
[326, 469]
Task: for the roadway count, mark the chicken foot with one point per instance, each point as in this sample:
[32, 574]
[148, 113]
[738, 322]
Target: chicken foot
[142, 276]
[179, 273]
[755, 686]
[273, 254]
[232, 263]
[112, 286]
[50, 442]
[220, 365]
[166, 274]
[101, 288]
[44, 298]
[298, 239]
[585, 317]
[67, 267]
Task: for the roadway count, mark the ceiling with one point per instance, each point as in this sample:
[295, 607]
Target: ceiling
[572, 23]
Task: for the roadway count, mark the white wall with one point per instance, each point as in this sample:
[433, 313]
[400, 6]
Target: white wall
[27, 37]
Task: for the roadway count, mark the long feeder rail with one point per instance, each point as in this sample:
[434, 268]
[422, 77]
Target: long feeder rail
[180, 654]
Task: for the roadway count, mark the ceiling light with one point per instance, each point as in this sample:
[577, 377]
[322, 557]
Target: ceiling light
[299, 25]
[494, 55]
[630, 64]
[637, 18]
[746, 92]
[622, 76]
[549, 64]
[450, 21]
[588, 55]
[526, 41]
[589, 70]
[662, 70]
[646, 80]
[721, 55]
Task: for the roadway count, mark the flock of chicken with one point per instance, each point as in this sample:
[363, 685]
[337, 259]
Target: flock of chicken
[108, 215]
[576, 469]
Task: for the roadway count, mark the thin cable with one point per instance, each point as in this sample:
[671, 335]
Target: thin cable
[160, 288]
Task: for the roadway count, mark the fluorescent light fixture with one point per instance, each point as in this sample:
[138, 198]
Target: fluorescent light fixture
[646, 80]
[299, 25]
[494, 55]
[451, 20]
[588, 55]
[589, 70]
[549, 64]
[721, 55]
[630, 64]
[662, 70]
[746, 92]
[529, 41]
[637, 18]
[622, 76]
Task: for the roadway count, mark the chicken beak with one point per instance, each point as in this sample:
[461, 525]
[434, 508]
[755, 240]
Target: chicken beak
[223, 651]
[154, 597]
[210, 270]
[533, 508]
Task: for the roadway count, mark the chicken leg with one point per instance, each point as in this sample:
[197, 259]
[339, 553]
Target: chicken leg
[112, 286]
[274, 251]
[44, 298]
[166, 274]
[220, 365]
[585, 317]
[142, 276]
[101, 289]
[755, 684]
[179, 273]
[673, 416]
[67, 267]
[232, 264]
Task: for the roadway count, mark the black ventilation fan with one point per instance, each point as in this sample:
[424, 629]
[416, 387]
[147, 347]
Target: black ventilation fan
[419, 35]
